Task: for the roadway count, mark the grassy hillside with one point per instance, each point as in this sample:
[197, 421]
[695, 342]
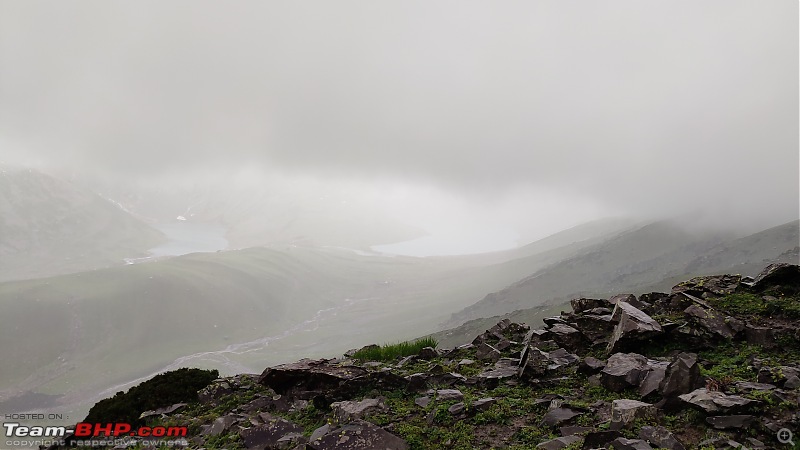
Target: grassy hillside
[49, 227]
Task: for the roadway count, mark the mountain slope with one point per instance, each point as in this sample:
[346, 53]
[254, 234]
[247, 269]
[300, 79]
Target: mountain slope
[49, 227]
[646, 257]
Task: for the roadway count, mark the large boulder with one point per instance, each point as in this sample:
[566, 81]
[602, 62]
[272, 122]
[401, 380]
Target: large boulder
[325, 381]
[308, 375]
[782, 274]
[633, 326]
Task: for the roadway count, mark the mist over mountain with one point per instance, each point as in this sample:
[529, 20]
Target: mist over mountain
[49, 226]
[230, 186]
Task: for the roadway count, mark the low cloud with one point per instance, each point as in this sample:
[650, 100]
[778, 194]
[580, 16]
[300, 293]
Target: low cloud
[651, 109]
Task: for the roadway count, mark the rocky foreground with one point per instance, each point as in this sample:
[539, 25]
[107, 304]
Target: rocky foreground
[714, 364]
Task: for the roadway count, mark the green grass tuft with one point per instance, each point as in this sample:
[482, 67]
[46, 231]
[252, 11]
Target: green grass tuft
[754, 305]
[389, 352]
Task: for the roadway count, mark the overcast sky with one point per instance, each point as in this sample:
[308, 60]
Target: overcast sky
[572, 108]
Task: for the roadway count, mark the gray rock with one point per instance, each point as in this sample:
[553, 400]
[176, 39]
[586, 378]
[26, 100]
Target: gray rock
[457, 408]
[710, 320]
[591, 365]
[629, 298]
[682, 376]
[633, 326]
[715, 284]
[600, 439]
[660, 437]
[222, 424]
[213, 392]
[566, 336]
[486, 352]
[730, 422]
[551, 321]
[561, 358]
[716, 402]
[763, 336]
[777, 274]
[348, 411]
[428, 353]
[291, 441]
[309, 375]
[270, 433]
[558, 416]
[321, 431]
[466, 362]
[538, 362]
[503, 368]
[417, 381]
[653, 379]
[446, 394]
[624, 412]
[597, 328]
[483, 404]
[558, 443]
[357, 435]
[422, 402]
[624, 370]
[622, 443]
[584, 304]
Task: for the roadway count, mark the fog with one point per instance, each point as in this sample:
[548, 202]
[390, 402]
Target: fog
[484, 122]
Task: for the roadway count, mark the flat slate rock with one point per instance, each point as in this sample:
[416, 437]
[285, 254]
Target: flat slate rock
[716, 402]
[268, 434]
[559, 416]
[357, 435]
